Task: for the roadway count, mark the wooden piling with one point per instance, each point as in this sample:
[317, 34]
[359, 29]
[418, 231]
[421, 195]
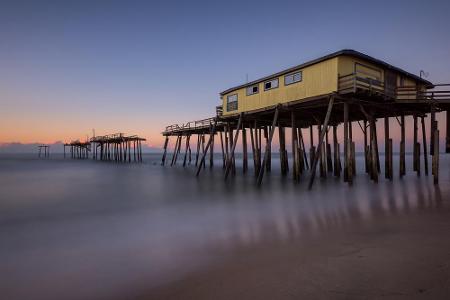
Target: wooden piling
[186, 150]
[402, 147]
[202, 161]
[366, 148]
[414, 142]
[373, 152]
[301, 150]
[322, 134]
[268, 146]
[436, 157]
[197, 154]
[252, 139]
[386, 148]
[211, 151]
[336, 167]
[424, 141]
[204, 151]
[283, 156]
[328, 151]
[322, 164]
[163, 161]
[390, 160]
[244, 150]
[312, 149]
[346, 156]
[294, 144]
[223, 150]
[234, 142]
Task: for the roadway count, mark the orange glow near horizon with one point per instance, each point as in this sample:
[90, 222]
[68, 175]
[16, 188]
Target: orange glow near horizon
[49, 132]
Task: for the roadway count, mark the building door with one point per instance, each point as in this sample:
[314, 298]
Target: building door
[390, 84]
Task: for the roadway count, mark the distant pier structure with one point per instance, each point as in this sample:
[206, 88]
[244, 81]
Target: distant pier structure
[117, 147]
[78, 150]
[346, 88]
[44, 151]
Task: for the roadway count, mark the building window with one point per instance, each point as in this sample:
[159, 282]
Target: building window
[232, 102]
[293, 78]
[251, 90]
[272, 84]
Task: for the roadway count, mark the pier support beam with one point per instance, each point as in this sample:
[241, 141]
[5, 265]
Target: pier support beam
[305, 157]
[230, 161]
[402, 147]
[202, 161]
[175, 151]
[336, 167]
[387, 163]
[424, 142]
[283, 153]
[211, 150]
[373, 151]
[312, 149]
[268, 146]
[223, 150]
[366, 148]
[163, 160]
[252, 140]
[415, 160]
[447, 134]
[244, 150]
[186, 150]
[319, 145]
[351, 158]
[346, 148]
[322, 157]
[436, 156]
[294, 142]
[328, 151]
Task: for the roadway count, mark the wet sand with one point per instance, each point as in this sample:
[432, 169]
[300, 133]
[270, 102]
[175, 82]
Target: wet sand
[396, 258]
[91, 230]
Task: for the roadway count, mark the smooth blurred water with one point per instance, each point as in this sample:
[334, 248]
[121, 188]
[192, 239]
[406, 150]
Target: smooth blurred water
[83, 229]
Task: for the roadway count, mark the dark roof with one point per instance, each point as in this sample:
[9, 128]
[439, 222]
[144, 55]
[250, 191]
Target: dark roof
[347, 52]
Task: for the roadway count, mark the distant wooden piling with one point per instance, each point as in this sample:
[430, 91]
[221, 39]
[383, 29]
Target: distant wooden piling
[166, 143]
[44, 151]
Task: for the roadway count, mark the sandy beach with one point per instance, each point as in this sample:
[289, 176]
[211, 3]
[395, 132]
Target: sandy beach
[406, 257]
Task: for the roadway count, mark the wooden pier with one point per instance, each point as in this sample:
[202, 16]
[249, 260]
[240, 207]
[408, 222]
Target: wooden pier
[117, 147]
[78, 150]
[44, 151]
[358, 102]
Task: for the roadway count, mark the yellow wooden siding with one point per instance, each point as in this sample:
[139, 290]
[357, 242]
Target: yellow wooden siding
[346, 65]
[317, 79]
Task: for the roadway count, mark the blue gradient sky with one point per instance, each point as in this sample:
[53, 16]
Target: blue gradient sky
[136, 66]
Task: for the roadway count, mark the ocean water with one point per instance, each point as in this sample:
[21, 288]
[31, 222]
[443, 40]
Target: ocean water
[83, 229]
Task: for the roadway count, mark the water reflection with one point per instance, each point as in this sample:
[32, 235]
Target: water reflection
[90, 230]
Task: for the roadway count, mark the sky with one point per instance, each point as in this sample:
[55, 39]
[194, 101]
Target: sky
[68, 67]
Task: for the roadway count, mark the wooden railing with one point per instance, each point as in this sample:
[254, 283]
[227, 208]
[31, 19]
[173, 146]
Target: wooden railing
[353, 83]
[193, 125]
[438, 92]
